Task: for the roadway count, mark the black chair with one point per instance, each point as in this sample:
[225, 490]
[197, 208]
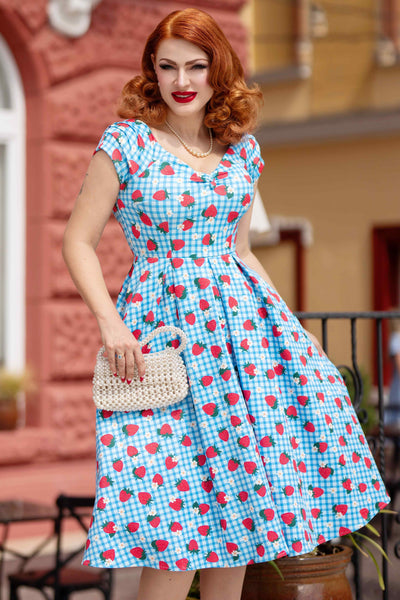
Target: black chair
[61, 580]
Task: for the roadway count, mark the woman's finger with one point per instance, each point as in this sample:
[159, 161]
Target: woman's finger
[141, 365]
[121, 364]
[112, 361]
[129, 365]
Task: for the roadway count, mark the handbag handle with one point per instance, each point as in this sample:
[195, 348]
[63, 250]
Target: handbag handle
[171, 329]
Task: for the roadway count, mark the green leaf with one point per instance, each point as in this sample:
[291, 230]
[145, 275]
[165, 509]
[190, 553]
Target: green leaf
[357, 545]
[375, 544]
[371, 528]
[380, 578]
[277, 569]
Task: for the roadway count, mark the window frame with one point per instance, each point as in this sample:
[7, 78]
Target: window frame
[385, 285]
[390, 21]
[12, 137]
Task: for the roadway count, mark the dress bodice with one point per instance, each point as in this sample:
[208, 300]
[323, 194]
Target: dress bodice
[168, 209]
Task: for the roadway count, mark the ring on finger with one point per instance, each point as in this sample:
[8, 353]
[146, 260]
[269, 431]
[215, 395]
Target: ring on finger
[119, 356]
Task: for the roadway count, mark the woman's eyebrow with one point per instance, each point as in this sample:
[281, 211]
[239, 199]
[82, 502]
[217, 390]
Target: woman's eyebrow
[189, 62]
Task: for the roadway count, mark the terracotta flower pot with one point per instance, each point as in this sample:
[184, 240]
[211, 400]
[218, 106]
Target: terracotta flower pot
[8, 413]
[305, 578]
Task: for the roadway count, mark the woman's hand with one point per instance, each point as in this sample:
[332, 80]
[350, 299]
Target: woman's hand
[122, 349]
[316, 343]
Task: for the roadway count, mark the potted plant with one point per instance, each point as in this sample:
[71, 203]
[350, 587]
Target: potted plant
[12, 385]
[315, 575]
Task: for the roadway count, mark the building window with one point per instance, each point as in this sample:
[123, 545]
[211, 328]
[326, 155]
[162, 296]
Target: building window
[390, 15]
[12, 212]
[388, 43]
[386, 284]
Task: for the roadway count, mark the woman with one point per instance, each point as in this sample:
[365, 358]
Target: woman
[265, 457]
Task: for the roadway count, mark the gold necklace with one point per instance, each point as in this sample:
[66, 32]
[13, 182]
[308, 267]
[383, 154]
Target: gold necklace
[190, 150]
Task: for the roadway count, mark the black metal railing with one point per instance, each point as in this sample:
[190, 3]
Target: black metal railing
[378, 441]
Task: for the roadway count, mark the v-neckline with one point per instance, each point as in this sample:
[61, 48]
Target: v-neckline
[182, 162]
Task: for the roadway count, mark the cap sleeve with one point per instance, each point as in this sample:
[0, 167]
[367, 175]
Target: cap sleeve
[254, 161]
[115, 143]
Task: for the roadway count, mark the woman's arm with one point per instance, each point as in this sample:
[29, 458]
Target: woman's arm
[83, 232]
[247, 256]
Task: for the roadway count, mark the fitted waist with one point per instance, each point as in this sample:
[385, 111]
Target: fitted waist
[186, 244]
[173, 255]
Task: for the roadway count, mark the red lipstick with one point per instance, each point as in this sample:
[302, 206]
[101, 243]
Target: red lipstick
[183, 97]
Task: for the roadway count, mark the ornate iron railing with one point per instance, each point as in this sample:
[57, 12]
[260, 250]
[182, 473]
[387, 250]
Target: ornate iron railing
[378, 441]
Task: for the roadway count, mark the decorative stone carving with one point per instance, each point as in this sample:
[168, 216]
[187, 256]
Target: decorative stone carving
[109, 41]
[27, 445]
[80, 110]
[32, 14]
[114, 255]
[66, 402]
[63, 403]
[66, 164]
[71, 340]
[71, 17]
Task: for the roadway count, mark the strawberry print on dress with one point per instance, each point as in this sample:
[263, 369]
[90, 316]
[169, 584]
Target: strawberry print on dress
[265, 457]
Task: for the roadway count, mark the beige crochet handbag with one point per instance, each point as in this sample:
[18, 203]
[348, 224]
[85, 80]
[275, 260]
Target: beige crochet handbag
[165, 381]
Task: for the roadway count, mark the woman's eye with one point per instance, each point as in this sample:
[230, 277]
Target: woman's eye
[195, 67]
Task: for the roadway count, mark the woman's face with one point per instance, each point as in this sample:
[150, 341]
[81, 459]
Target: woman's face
[182, 71]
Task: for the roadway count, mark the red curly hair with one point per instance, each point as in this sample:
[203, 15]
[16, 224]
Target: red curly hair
[233, 108]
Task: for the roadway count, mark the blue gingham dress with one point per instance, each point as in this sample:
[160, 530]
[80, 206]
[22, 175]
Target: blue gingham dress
[265, 457]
